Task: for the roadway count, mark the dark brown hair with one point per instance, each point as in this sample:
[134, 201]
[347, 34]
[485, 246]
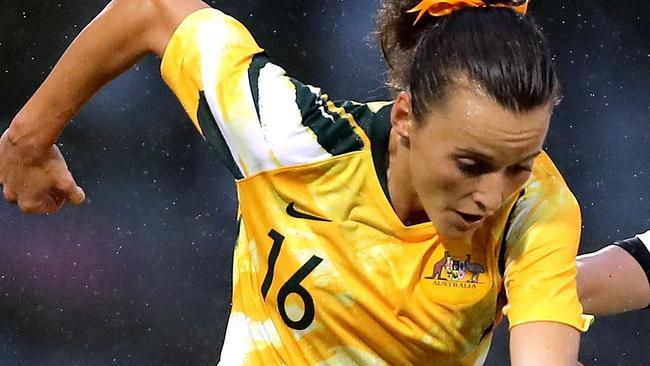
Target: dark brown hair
[502, 51]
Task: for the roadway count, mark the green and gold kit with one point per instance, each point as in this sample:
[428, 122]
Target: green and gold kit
[324, 271]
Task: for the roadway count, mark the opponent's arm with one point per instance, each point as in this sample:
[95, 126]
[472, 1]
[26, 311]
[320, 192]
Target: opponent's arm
[32, 170]
[613, 280]
[544, 343]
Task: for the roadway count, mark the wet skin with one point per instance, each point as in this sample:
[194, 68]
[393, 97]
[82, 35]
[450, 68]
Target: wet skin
[462, 162]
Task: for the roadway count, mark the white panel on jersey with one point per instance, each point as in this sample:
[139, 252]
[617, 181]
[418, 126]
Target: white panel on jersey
[279, 139]
[241, 335]
[291, 142]
[213, 40]
[241, 131]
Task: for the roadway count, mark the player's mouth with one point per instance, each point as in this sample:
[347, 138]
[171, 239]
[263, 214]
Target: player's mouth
[469, 220]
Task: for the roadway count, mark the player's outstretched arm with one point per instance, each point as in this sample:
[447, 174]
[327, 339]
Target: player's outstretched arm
[613, 280]
[32, 171]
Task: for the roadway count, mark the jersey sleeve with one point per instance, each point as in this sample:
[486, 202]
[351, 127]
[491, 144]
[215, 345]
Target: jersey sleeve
[639, 248]
[645, 239]
[255, 116]
[540, 275]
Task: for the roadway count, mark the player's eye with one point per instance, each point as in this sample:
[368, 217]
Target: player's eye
[520, 169]
[473, 167]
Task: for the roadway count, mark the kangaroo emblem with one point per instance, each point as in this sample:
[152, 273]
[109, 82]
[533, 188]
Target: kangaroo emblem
[437, 268]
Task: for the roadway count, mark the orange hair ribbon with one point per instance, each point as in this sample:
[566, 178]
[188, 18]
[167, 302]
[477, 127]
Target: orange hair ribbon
[438, 8]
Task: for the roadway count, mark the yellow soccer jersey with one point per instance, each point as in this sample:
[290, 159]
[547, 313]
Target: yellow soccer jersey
[324, 271]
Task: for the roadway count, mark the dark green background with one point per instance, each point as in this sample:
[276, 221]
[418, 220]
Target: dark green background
[141, 274]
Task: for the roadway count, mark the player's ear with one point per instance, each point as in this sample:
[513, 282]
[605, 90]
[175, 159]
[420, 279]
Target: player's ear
[401, 116]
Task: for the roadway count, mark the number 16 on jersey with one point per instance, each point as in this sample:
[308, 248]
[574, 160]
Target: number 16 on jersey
[292, 286]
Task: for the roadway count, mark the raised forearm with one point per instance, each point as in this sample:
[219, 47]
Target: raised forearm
[33, 173]
[113, 42]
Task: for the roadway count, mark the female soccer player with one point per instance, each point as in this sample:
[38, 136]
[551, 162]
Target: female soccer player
[380, 233]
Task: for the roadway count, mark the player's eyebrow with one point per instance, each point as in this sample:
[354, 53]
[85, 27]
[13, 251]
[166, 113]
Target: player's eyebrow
[488, 159]
[531, 156]
[475, 155]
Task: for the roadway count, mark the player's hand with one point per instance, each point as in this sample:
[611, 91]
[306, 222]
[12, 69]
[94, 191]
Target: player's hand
[38, 181]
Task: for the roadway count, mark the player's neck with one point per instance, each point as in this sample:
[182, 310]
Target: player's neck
[403, 197]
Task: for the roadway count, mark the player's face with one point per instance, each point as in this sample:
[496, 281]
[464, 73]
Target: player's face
[469, 156]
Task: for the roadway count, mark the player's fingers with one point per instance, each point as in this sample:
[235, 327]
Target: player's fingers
[77, 197]
[30, 207]
[44, 205]
[9, 196]
[58, 198]
[50, 205]
[71, 191]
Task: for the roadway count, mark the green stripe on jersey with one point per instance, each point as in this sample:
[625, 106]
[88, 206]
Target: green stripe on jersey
[259, 61]
[374, 119]
[334, 134]
[214, 137]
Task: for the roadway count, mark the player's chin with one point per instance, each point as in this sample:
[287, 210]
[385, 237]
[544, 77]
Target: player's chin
[456, 234]
[454, 230]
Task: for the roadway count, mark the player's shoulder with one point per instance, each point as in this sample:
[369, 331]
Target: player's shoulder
[546, 178]
[373, 118]
[208, 32]
[343, 126]
[546, 195]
